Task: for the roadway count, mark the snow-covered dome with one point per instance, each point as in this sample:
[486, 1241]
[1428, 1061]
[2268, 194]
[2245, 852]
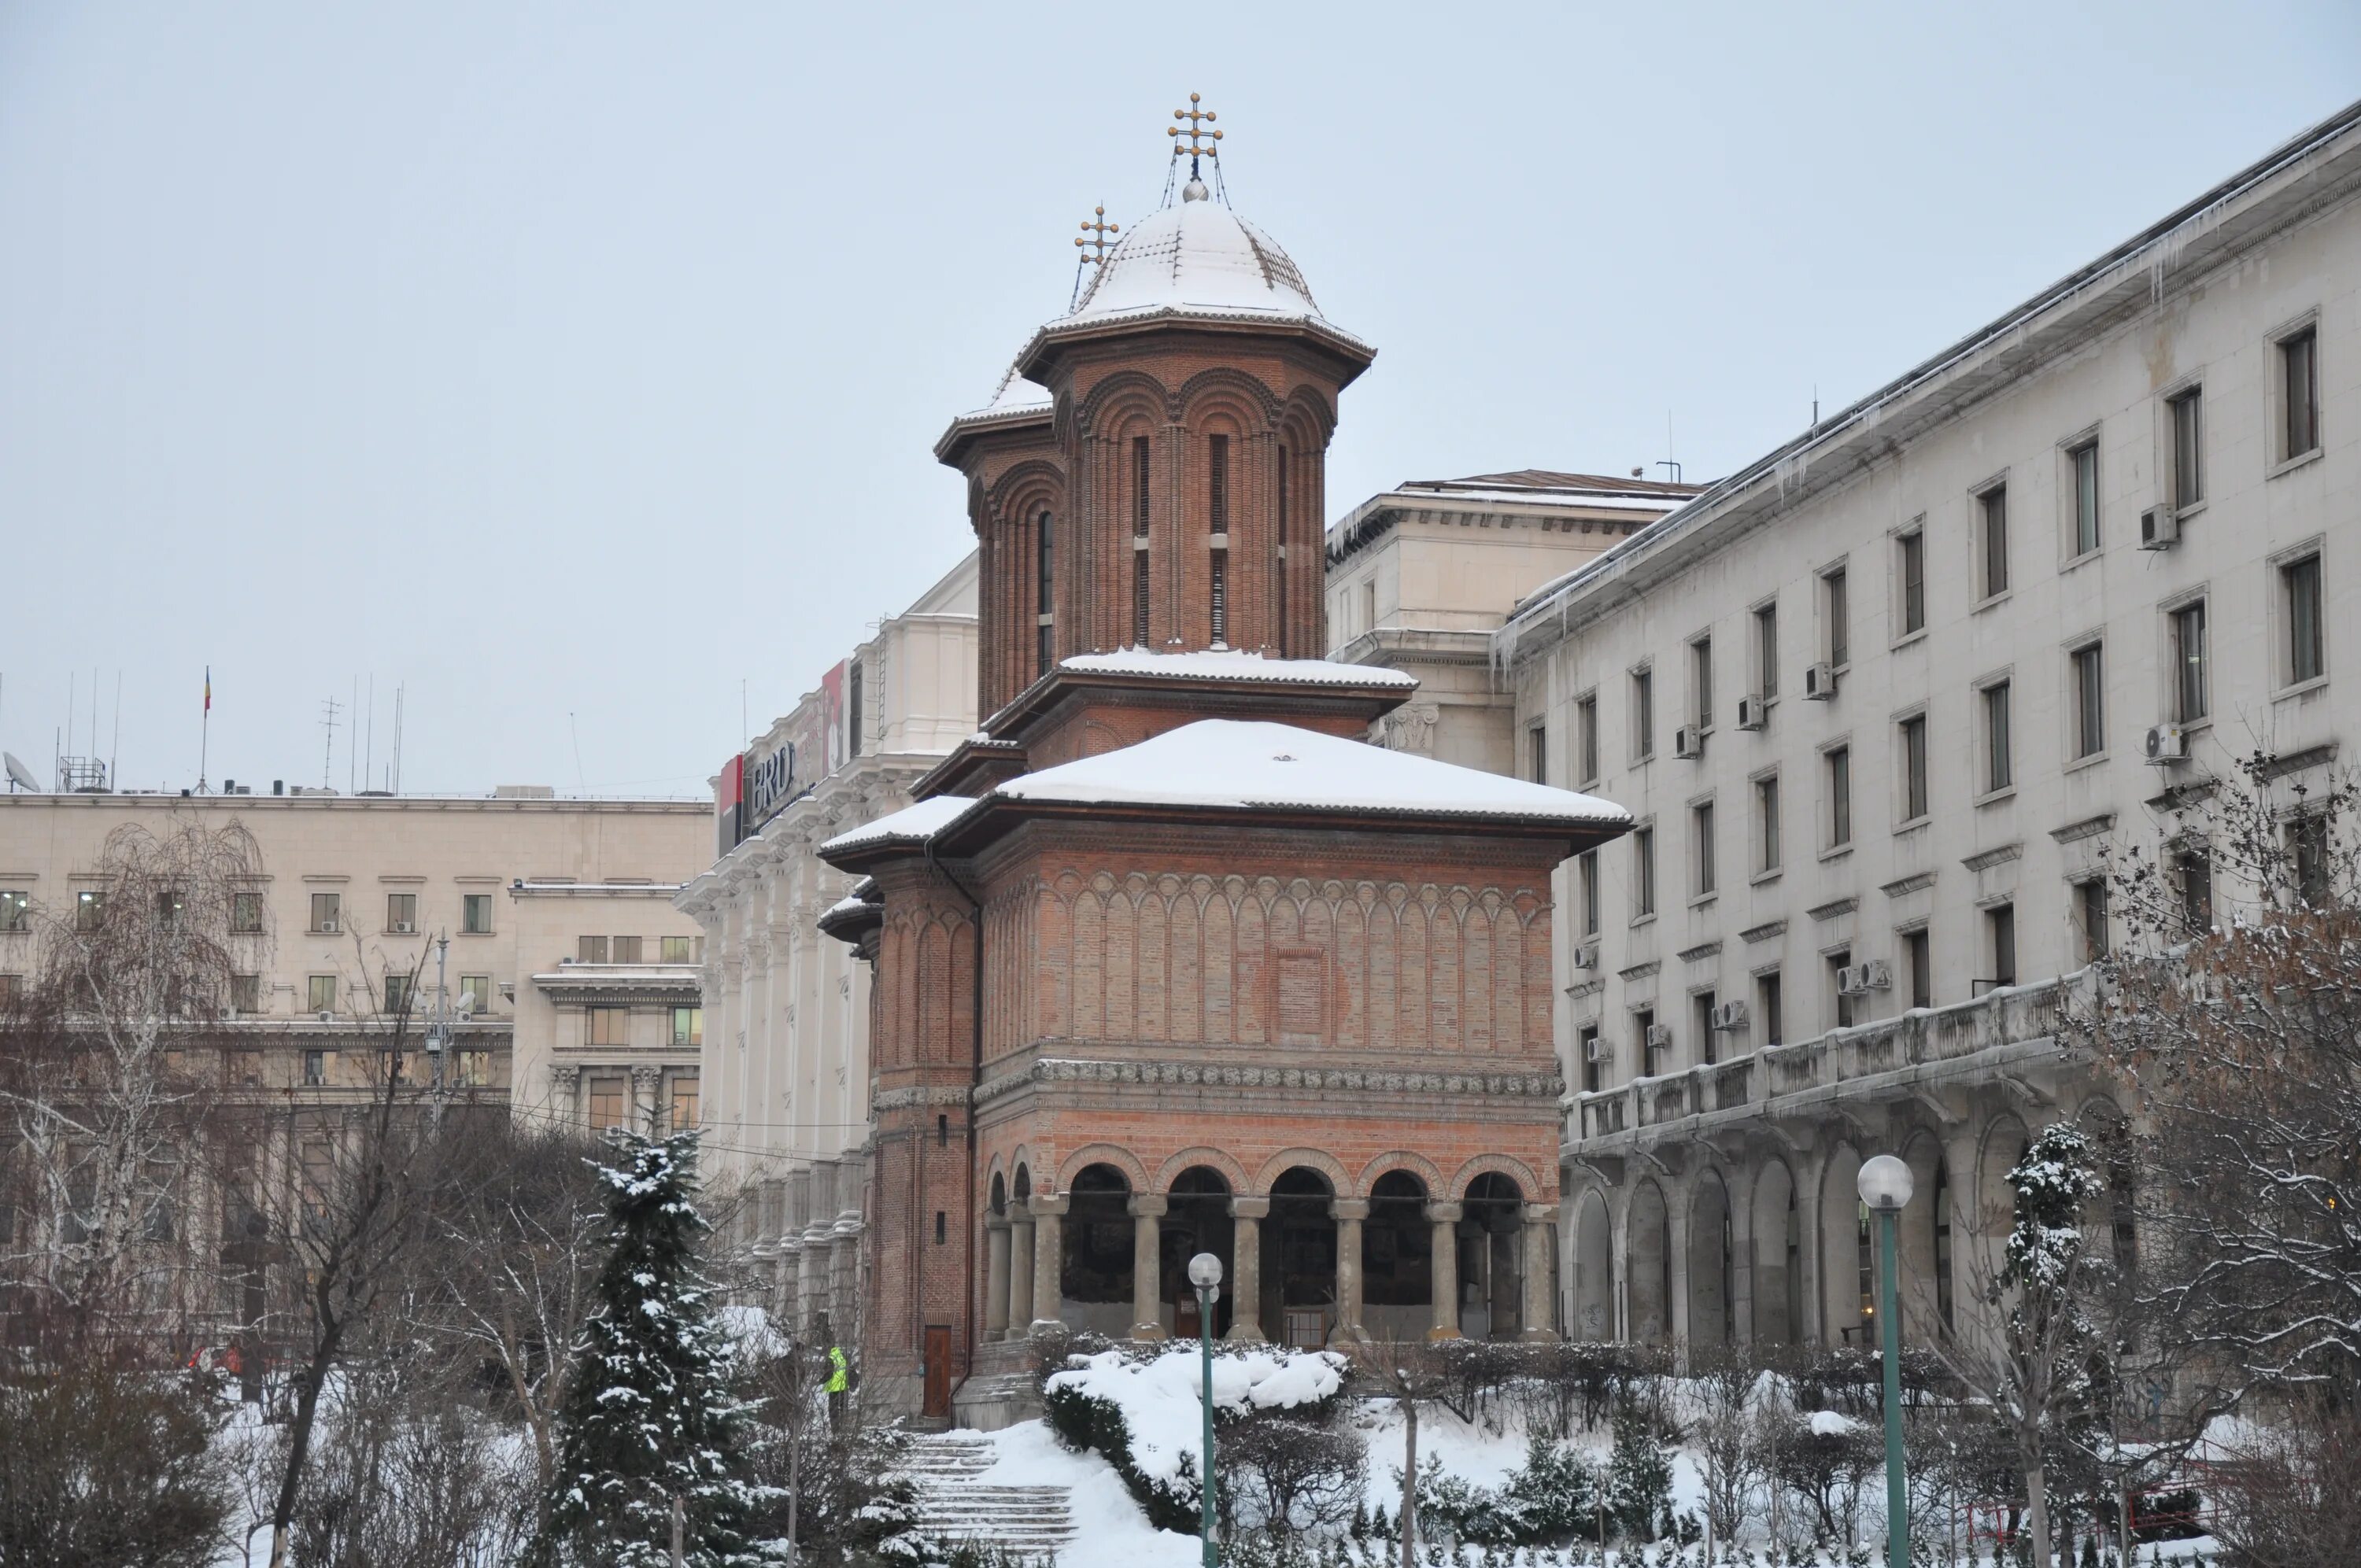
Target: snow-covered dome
[1196, 255]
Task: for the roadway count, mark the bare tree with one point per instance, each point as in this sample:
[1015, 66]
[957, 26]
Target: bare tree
[1413, 1375]
[1726, 1435]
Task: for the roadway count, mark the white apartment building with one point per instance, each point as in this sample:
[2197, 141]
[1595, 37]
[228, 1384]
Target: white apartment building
[1877, 700]
[785, 1056]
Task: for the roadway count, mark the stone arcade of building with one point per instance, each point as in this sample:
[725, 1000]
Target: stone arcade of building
[1166, 958]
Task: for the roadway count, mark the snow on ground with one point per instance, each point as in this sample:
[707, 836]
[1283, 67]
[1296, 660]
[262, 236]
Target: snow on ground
[1108, 1524]
[1159, 1401]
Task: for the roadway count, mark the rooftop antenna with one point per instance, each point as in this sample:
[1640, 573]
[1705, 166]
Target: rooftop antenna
[581, 782]
[353, 753]
[368, 754]
[1668, 462]
[393, 781]
[328, 711]
[115, 747]
[1093, 244]
[1198, 143]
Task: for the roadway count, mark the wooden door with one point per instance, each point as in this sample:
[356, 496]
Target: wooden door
[937, 1360]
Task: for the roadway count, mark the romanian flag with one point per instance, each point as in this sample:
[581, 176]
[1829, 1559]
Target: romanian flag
[208, 688]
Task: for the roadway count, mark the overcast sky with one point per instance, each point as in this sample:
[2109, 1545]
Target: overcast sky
[570, 364]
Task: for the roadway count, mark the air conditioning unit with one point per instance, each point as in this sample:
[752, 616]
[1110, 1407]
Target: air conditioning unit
[1729, 1015]
[1585, 955]
[1751, 713]
[2166, 743]
[1598, 1050]
[1859, 979]
[1849, 982]
[1660, 1038]
[1820, 682]
[1688, 742]
[326, 928]
[402, 929]
[326, 1017]
[2159, 528]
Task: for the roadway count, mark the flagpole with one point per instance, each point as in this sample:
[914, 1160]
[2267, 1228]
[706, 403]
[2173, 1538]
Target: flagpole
[205, 731]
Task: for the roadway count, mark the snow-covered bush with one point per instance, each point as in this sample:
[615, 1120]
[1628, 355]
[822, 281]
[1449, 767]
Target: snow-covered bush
[1550, 1500]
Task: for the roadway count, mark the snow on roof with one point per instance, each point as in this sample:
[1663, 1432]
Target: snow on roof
[1196, 255]
[914, 824]
[1233, 665]
[1252, 763]
[1015, 395]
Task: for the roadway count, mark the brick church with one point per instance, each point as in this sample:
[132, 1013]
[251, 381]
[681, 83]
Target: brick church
[1166, 958]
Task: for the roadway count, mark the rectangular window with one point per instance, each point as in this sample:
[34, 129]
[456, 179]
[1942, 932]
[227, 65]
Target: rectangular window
[2185, 630]
[1369, 602]
[1918, 958]
[1840, 767]
[1643, 871]
[327, 913]
[2194, 873]
[2091, 915]
[1910, 565]
[1585, 719]
[855, 722]
[1701, 1010]
[1836, 614]
[11, 986]
[1766, 822]
[2307, 646]
[475, 993]
[1217, 482]
[2085, 461]
[1701, 846]
[684, 1101]
[1643, 714]
[1992, 530]
[687, 1026]
[2000, 938]
[2188, 416]
[1998, 767]
[590, 950]
[320, 990]
[1588, 868]
[396, 992]
[1772, 1004]
[610, 1026]
[1840, 1005]
[471, 1070]
[605, 1104]
[246, 994]
[676, 949]
[476, 914]
[2308, 847]
[1044, 589]
[1701, 680]
[626, 950]
[1914, 767]
[2299, 394]
[245, 913]
[400, 913]
[16, 910]
[1218, 598]
[315, 1069]
[1140, 568]
[1643, 1025]
[1537, 753]
[2090, 701]
[89, 909]
[1766, 651]
[1585, 1047]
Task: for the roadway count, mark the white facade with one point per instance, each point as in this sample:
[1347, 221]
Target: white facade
[1710, 1175]
[786, 1021]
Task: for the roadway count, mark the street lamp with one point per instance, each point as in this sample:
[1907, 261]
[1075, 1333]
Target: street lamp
[1884, 1186]
[1205, 1274]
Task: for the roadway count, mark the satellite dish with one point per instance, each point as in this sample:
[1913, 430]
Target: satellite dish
[19, 775]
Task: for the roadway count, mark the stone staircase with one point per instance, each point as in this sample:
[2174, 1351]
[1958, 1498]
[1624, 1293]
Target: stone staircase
[953, 1507]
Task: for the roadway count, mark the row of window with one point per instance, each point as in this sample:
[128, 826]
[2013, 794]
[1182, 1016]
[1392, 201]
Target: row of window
[633, 950]
[606, 1102]
[399, 992]
[612, 1027]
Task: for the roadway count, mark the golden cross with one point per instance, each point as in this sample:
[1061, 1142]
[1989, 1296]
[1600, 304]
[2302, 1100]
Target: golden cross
[1096, 233]
[1200, 141]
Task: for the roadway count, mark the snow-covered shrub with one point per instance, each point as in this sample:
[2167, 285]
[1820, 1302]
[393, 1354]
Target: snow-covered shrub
[1550, 1500]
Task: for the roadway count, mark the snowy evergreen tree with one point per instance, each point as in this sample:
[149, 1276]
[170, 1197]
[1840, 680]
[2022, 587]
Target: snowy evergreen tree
[651, 1417]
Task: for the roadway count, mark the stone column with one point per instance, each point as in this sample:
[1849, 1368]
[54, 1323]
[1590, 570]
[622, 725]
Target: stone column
[1348, 1213]
[644, 1083]
[812, 1285]
[1541, 1232]
[843, 1282]
[1146, 1273]
[1020, 1270]
[996, 1277]
[1244, 1284]
[1444, 1269]
[1049, 1260]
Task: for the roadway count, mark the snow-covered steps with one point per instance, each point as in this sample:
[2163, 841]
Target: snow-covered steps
[954, 1507]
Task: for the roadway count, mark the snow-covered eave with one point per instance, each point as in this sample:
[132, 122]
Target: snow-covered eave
[996, 814]
[1365, 683]
[1029, 361]
[1374, 518]
[989, 421]
[2188, 242]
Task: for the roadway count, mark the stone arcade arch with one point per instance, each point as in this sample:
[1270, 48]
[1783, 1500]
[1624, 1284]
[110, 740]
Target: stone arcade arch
[1095, 1276]
[1197, 1218]
[1648, 1252]
[1778, 1256]
[1490, 1273]
[1594, 1269]
[1397, 1258]
[1298, 1258]
[1712, 1264]
[1845, 1280]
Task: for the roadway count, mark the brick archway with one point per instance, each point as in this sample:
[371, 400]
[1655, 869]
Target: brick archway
[1122, 1159]
[1418, 1164]
[1530, 1186]
[1325, 1164]
[1211, 1159]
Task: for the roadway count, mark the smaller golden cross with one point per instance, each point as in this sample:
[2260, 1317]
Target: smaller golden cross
[1094, 236]
[1201, 142]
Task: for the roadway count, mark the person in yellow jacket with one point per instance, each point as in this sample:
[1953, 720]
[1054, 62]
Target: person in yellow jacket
[838, 1383]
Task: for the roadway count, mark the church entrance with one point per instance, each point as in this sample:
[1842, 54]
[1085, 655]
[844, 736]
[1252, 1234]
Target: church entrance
[1096, 1272]
[1298, 1265]
[1397, 1259]
[1198, 1220]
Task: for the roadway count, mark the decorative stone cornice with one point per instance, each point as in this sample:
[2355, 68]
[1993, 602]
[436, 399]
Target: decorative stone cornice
[902, 1099]
[1833, 908]
[1640, 971]
[1701, 951]
[1057, 1069]
[2090, 826]
[1988, 859]
[1764, 932]
[1903, 887]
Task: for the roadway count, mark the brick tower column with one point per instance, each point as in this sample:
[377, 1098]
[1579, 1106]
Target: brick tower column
[1247, 1216]
[1348, 1213]
[1147, 1275]
[1540, 1230]
[1020, 1270]
[1048, 1259]
[996, 1277]
[1444, 1269]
